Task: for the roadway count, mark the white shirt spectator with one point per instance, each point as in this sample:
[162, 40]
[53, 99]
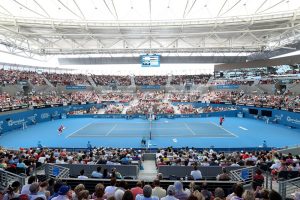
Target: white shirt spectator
[196, 174]
[276, 165]
[141, 197]
[110, 190]
[25, 189]
[82, 177]
[42, 159]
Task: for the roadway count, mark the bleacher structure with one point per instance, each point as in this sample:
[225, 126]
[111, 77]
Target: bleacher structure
[54, 52]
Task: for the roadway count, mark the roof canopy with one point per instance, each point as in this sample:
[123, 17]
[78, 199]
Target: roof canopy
[48, 27]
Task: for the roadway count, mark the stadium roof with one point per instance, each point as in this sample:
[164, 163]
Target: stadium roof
[134, 27]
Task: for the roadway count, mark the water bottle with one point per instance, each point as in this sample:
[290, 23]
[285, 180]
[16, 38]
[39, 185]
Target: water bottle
[186, 177]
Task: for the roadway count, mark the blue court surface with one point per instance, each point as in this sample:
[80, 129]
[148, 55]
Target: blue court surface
[191, 132]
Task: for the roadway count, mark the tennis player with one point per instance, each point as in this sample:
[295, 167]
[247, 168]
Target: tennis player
[221, 120]
[61, 129]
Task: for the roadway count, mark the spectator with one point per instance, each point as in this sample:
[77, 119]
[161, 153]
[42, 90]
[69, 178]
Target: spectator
[56, 188]
[82, 176]
[34, 189]
[43, 189]
[51, 183]
[275, 167]
[147, 194]
[224, 176]
[64, 193]
[128, 195]
[198, 195]
[119, 192]
[126, 160]
[77, 190]
[170, 193]
[105, 173]
[196, 173]
[179, 193]
[248, 195]
[25, 188]
[258, 179]
[219, 193]
[83, 195]
[137, 190]
[97, 174]
[22, 165]
[157, 190]
[115, 173]
[237, 193]
[110, 190]
[204, 191]
[12, 191]
[273, 195]
[99, 192]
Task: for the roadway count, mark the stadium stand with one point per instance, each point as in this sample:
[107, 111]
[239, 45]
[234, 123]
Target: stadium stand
[130, 103]
[107, 80]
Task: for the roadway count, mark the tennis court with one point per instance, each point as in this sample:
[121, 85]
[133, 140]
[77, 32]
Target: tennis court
[181, 132]
[157, 129]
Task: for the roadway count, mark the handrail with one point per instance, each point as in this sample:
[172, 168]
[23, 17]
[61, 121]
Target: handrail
[287, 187]
[56, 171]
[6, 178]
[237, 174]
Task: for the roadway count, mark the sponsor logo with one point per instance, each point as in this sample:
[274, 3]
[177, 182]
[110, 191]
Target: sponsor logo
[45, 115]
[278, 117]
[67, 109]
[294, 121]
[78, 108]
[16, 122]
[1, 123]
[184, 116]
[245, 109]
[55, 114]
[32, 118]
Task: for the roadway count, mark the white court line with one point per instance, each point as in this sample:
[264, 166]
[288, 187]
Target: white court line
[224, 129]
[153, 122]
[197, 136]
[243, 128]
[141, 129]
[189, 128]
[78, 130]
[111, 129]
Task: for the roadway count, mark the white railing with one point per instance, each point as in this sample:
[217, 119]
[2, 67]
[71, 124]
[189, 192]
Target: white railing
[52, 170]
[243, 175]
[286, 188]
[7, 178]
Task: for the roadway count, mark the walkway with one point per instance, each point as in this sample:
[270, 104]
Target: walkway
[149, 173]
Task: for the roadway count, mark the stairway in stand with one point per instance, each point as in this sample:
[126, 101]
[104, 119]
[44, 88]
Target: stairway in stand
[149, 173]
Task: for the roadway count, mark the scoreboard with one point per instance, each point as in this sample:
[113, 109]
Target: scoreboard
[150, 60]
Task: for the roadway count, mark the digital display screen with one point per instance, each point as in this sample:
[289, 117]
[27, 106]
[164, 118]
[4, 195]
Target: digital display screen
[266, 113]
[150, 60]
[253, 111]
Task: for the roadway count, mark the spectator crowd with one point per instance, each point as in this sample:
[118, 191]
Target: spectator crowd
[38, 189]
[150, 80]
[194, 79]
[12, 77]
[108, 80]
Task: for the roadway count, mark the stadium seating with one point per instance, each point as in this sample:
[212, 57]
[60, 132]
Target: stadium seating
[90, 184]
[208, 173]
[125, 170]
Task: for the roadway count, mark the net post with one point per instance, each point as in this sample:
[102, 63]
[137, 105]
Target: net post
[150, 129]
